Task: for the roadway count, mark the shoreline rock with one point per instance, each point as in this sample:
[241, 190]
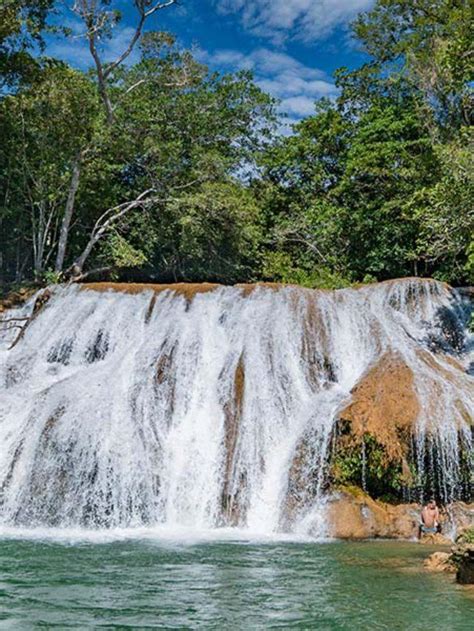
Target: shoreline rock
[353, 514]
[459, 561]
[463, 558]
[440, 562]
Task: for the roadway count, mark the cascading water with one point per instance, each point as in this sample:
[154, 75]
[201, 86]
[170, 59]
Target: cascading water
[152, 408]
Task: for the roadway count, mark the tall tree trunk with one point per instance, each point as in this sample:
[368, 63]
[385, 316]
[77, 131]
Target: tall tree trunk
[38, 240]
[68, 212]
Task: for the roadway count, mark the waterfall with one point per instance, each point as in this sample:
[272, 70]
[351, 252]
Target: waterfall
[123, 410]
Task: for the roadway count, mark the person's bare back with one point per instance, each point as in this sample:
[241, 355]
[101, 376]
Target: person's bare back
[430, 519]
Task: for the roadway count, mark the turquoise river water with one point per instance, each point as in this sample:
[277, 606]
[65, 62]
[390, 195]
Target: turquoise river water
[223, 584]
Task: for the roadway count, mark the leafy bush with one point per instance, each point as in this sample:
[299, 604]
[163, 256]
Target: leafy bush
[365, 464]
[466, 537]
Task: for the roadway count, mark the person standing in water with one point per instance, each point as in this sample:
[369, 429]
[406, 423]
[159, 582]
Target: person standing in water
[430, 523]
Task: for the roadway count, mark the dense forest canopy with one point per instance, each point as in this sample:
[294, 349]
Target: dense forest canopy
[162, 170]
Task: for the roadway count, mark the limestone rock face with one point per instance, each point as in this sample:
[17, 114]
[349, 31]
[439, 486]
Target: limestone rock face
[352, 514]
[355, 515]
[439, 562]
[435, 539]
[16, 298]
[460, 560]
[463, 516]
[384, 404]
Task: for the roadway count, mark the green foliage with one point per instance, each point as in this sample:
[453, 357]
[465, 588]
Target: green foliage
[44, 126]
[216, 234]
[22, 23]
[118, 252]
[469, 267]
[278, 266]
[367, 466]
[50, 277]
[376, 184]
[177, 131]
[444, 212]
[467, 536]
[380, 182]
[430, 43]
[343, 201]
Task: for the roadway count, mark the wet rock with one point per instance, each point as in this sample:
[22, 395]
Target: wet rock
[385, 405]
[187, 290]
[466, 291]
[439, 562]
[16, 298]
[233, 507]
[352, 514]
[355, 515]
[463, 557]
[435, 539]
[462, 515]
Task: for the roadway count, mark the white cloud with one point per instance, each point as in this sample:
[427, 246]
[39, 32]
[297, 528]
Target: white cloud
[297, 86]
[298, 106]
[305, 20]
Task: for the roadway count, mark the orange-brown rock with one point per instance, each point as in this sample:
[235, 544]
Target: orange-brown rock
[439, 562]
[435, 539]
[384, 404]
[352, 514]
[16, 298]
[188, 290]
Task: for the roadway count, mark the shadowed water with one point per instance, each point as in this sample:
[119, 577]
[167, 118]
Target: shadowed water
[226, 585]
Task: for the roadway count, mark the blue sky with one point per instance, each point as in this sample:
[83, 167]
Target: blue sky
[292, 46]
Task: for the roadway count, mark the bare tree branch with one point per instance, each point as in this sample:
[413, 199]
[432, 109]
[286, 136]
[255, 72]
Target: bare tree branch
[104, 222]
[92, 272]
[95, 21]
[112, 215]
[135, 85]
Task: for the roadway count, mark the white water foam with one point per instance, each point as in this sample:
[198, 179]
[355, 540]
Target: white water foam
[116, 409]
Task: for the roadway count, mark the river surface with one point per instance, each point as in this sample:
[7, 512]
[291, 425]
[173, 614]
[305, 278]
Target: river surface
[117, 582]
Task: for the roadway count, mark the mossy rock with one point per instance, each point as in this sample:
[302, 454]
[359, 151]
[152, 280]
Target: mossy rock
[354, 491]
[466, 536]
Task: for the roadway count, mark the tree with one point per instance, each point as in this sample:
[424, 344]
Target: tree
[179, 129]
[99, 21]
[22, 23]
[445, 214]
[430, 45]
[44, 126]
[305, 243]
[96, 193]
[160, 169]
[378, 184]
[430, 42]
[389, 159]
[217, 234]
